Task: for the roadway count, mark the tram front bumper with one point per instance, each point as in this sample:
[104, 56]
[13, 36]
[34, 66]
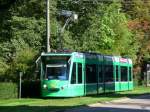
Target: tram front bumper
[51, 88]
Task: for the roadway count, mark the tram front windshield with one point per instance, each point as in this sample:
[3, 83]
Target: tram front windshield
[57, 71]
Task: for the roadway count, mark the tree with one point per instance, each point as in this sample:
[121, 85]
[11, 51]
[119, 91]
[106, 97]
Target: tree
[102, 29]
[140, 25]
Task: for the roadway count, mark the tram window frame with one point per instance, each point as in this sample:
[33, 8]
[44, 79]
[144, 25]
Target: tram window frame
[109, 73]
[74, 74]
[130, 74]
[100, 74]
[43, 71]
[79, 73]
[124, 72]
[117, 74]
[91, 77]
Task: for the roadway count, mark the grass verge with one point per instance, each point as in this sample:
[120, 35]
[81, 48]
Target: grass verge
[48, 105]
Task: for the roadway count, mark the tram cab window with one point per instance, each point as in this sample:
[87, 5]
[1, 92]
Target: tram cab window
[55, 67]
[124, 74]
[109, 73]
[73, 77]
[91, 74]
[100, 74]
[117, 75]
[56, 71]
[130, 74]
[79, 73]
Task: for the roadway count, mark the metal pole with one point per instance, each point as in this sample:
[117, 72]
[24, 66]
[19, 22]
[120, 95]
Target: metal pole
[20, 81]
[48, 25]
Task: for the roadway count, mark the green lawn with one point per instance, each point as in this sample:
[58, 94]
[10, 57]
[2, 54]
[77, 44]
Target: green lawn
[47, 105]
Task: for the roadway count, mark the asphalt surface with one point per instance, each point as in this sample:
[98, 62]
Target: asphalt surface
[137, 104]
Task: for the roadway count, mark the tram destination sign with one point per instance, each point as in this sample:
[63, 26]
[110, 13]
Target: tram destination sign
[123, 60]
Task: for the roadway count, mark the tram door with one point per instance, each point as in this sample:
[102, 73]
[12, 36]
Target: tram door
[100, 79]
[77, 82]
[90, 79]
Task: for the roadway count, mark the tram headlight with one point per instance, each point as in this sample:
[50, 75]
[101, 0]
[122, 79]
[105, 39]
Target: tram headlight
[44, 86]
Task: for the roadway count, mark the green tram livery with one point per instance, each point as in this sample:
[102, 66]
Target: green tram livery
[79, 74]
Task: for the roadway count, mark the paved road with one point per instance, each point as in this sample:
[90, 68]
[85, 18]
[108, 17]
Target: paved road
[138, 104]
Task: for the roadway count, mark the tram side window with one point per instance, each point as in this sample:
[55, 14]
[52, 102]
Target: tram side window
[91, 74]
[73, 77]
[79, 73]
[100, 74]
[117, 75]
[124, 74]
[130, 74]
[109, 73]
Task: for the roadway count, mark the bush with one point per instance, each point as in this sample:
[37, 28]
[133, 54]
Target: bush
[138, 79]
[8, 90]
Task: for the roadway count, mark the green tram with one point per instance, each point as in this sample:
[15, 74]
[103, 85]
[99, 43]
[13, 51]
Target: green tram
[79, 74]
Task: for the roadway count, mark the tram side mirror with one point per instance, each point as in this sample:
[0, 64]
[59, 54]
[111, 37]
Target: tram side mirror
[69, 61]
[37, 65]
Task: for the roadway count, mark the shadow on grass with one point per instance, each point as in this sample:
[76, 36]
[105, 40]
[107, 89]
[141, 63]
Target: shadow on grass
[119, 95]
[25, 108]
[109, 95]
[109, 108]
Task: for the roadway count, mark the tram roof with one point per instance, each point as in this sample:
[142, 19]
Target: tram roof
[56, 54]
[81, 53]
[90, 56]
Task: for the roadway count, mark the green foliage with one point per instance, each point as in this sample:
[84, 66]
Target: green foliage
[3, 67]
[105, 31]
[27, 32]
[138, 8]
[24, 61]
[139, 12]
[101, 34]
[22, 38]
[8, 90]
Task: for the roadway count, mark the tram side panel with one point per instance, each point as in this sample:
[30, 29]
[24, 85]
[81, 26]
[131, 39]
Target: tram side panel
[130, 75]
[109, 83]
[123, 75]
[117, 78]
[77, 75]
[101, 78]
[91, 74]
[130, 78]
